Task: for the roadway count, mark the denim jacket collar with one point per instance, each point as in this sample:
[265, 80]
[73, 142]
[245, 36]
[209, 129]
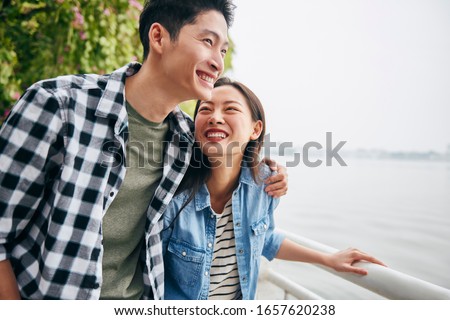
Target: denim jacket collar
[203, 198]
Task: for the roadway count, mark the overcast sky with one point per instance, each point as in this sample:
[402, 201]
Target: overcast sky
[376, 73]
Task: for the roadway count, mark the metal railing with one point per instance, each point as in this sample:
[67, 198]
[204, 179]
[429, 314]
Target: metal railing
[383, 281]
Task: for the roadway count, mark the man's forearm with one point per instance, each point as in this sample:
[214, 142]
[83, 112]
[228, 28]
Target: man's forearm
[8, 283]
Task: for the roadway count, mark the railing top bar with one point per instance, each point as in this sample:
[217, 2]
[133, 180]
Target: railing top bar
[384, 281]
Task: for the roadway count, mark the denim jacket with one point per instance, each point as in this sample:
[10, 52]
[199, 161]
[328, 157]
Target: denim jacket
[188, 244]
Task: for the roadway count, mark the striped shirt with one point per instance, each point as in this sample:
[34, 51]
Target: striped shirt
[224, 277]
[62, 162]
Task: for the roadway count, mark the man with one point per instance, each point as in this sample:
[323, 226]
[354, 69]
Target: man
[85, 173]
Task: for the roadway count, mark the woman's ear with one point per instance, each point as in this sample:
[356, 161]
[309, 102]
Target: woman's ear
[156, 37]
[257, 129]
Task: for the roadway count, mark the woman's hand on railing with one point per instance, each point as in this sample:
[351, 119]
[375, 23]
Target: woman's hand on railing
[343, 261]
[340, 261]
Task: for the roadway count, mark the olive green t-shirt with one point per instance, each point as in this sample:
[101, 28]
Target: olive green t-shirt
[124, 221]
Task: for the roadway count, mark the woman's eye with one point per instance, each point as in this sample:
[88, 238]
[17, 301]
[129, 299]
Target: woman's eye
[203, 109]
[224, 52]
[208, 41]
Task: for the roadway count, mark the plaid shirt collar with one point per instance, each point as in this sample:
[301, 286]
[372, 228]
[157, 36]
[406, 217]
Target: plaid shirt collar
[111, 104]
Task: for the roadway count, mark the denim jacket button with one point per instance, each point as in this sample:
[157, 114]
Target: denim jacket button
[238, 224]
[209, 245]
[183, 253]
[241, 251]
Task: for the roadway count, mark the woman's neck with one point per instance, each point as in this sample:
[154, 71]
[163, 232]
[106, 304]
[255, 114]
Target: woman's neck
[222, 182]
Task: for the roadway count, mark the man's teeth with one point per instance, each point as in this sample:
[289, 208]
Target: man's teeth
[216, 135]
[206, 78]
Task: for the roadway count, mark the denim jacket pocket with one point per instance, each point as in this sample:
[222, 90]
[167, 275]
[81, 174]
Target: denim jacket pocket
[185, 262]
[259, 229]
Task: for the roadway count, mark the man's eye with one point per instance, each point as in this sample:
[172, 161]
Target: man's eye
[224, 52]
[208, 41]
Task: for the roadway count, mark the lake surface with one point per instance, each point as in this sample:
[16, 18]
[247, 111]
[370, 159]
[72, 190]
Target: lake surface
[397, 211]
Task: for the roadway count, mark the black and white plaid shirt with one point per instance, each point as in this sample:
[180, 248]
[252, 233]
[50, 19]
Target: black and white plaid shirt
[62, 162]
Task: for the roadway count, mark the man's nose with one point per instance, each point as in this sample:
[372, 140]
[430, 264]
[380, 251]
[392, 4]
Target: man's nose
[217, 62]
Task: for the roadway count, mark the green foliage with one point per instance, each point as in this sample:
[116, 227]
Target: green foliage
[46, 38]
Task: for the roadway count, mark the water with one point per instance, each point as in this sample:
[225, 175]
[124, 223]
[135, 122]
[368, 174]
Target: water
[398, 211]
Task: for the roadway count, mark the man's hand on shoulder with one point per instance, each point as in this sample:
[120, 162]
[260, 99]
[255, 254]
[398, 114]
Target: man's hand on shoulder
[277, 184]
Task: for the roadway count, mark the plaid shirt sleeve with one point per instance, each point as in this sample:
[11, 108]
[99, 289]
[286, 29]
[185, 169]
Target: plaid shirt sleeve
[30, 144]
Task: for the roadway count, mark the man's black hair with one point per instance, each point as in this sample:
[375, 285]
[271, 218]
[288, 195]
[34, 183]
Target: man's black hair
[175, 14]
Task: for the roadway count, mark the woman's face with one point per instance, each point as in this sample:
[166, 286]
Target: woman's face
[224, 125]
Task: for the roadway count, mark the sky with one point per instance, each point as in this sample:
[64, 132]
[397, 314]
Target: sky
[375, 73]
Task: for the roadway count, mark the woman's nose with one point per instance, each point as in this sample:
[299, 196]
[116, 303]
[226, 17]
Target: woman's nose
[216, 118]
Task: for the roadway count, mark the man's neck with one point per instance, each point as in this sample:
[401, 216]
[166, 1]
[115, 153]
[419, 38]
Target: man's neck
[149, 95]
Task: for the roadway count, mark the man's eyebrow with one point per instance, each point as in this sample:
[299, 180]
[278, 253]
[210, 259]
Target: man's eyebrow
[214, 34]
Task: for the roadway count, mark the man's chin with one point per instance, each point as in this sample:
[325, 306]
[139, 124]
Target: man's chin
[204, 95]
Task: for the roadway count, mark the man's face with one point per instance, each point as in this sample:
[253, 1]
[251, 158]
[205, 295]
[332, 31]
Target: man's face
[196, 59]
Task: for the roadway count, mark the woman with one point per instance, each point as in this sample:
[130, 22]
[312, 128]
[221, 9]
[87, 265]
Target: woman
[221, 222]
